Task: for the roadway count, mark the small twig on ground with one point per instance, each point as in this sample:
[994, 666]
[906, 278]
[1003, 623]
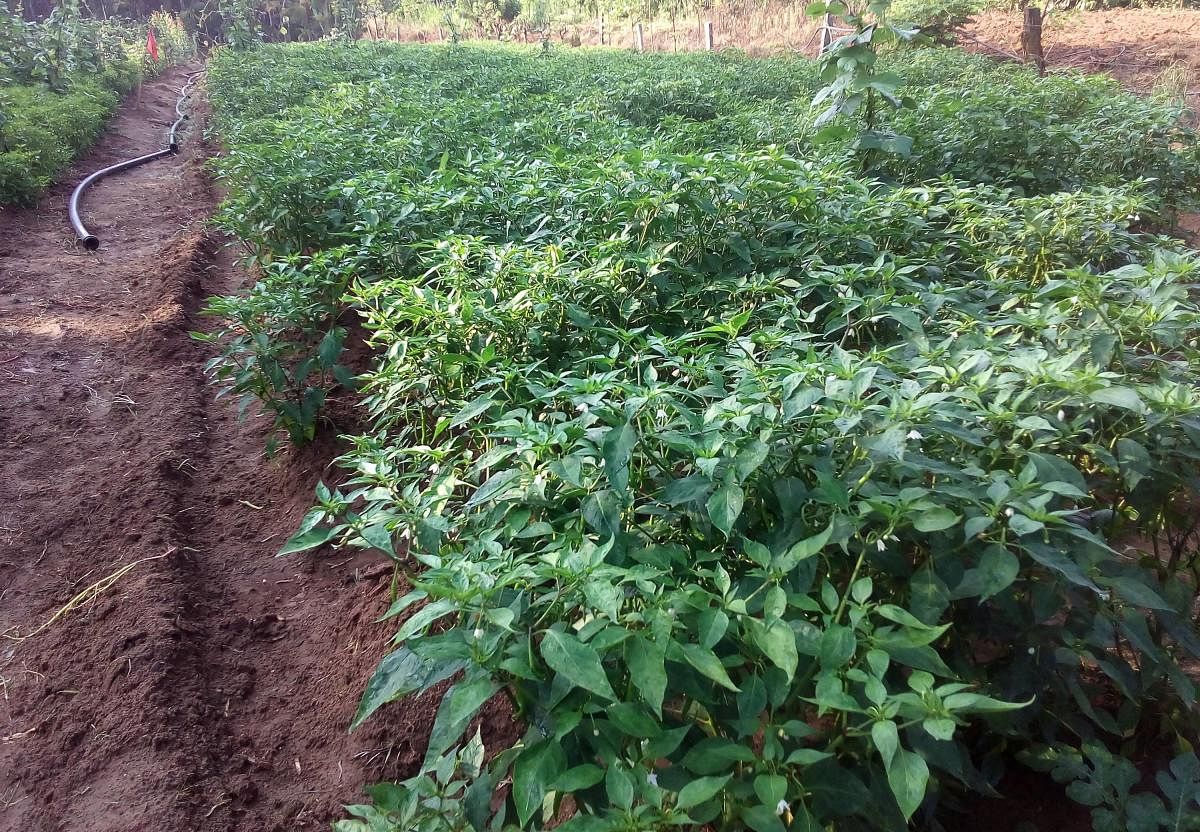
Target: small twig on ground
[10, 799]
[377, 571]
[993, 47]
[91, 591]
[19, 734]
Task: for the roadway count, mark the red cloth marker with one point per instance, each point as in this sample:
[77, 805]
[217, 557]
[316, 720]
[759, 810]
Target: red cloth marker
[152, 46]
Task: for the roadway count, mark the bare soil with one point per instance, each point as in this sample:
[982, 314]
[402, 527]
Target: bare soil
[1144, 49]
[210, 687]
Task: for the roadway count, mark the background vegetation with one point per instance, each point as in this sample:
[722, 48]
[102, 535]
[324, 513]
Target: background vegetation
[671, 24]
[64, 68]
[60, 79]
[743, 23]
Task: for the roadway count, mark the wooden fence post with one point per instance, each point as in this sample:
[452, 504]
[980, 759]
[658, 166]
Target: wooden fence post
[1031, 38]
[601, 30]
[708, 35]
[638, 41]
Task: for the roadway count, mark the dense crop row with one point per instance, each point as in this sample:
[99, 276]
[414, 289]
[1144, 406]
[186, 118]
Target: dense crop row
[771, 493]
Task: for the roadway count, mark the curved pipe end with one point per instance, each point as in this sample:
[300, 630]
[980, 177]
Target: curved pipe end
[91, 242]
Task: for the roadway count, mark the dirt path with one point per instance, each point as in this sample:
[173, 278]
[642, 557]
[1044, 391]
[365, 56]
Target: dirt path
[211, 686]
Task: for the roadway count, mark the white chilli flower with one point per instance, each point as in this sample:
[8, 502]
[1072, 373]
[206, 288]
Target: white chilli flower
[477, 634]
[781, 807]
[433, 469]
[1008, 512]
[915, 434]
[880, 545]
[652, 779]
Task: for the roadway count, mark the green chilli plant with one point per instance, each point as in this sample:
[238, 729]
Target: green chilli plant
[348, 19]
[937, 21]
[16, 51]
[239, 19]
[66, 50]
[281, 345]
[769, 496]
[453, 30]
[56, 56]
[854, 84]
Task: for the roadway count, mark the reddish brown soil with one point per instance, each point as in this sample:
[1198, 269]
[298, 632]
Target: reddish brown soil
[1030, 802]
[1135, 46]
[211, 686]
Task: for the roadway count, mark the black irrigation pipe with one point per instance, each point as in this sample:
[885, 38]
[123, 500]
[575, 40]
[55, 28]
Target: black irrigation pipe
[89, 240]
[172, 140]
